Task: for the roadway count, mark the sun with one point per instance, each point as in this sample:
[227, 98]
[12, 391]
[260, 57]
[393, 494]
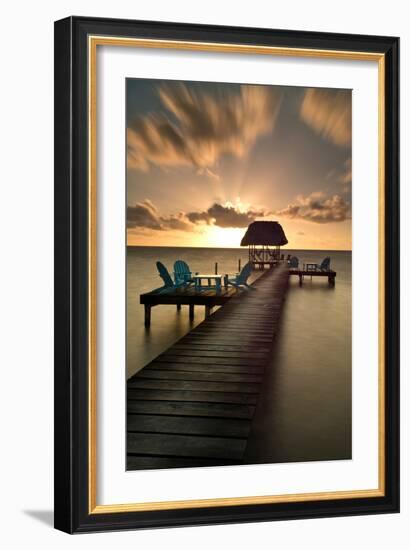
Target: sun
[224, 237]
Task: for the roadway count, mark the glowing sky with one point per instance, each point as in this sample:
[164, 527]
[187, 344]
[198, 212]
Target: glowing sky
[206, 159]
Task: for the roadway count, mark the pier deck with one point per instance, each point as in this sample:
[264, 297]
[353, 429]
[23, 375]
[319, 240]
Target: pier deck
[193, 405]
[187, 296]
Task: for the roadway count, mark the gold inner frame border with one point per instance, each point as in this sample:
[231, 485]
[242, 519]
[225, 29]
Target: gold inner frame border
[93, 43]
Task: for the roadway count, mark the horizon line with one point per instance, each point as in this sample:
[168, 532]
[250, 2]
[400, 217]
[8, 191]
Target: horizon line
[234, 247]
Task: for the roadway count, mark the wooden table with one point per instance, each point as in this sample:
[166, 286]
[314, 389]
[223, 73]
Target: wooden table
[198, 278]
[310, 267]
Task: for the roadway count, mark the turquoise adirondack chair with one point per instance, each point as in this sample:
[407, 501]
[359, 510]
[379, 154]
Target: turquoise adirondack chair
[182, 273]
[293, 262]
[166, 277]
[240, 280]
[324, 266]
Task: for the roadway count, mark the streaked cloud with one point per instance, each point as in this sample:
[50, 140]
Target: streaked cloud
[342, 175]
[197, 128]
[318, 208]
[329, 113]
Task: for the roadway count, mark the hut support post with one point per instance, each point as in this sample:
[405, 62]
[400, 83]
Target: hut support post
[191, 311]
[178, 307]
[208, 311]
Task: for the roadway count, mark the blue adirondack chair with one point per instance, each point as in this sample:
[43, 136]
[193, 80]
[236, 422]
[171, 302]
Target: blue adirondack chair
[240, 280]
[182, 273]
[324, 266]
[166, 277]
[293, 262]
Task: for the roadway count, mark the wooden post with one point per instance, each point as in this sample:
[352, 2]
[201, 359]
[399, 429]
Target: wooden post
[178, 307]
[331, 279]
[191, 311]
[300, 279]
[147, 311]
[208, 310]
[216, 268]
[239, 265]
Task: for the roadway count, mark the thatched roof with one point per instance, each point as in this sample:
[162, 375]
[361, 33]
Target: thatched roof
[267, 233]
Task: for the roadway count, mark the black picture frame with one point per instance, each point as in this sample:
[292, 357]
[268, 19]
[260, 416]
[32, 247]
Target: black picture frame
[71, 493]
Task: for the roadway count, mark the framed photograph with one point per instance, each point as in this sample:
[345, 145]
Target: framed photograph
[226, 274]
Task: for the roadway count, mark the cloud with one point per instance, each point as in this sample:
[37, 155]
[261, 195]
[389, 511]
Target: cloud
[225, 216]
[198, 128]
[145, 214]
[329, 113]
[318, 208]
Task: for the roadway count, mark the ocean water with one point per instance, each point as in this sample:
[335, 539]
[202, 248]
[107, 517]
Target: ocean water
[304, 409]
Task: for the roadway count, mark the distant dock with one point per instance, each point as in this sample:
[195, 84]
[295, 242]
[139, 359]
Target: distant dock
[193, 405]
[302, 273]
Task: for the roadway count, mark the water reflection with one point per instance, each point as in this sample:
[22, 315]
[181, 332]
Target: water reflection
[304, 411]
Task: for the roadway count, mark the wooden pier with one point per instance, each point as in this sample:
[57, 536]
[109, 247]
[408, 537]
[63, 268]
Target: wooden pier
[193, 405]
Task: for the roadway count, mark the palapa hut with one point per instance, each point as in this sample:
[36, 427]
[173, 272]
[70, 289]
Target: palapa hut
[264, 240]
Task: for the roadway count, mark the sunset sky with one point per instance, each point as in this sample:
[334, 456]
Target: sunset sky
[206, 159]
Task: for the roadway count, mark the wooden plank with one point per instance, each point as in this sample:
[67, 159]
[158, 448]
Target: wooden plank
[244, 327]
[238, 332]
[210, 410]
[220, 339]
[206, 376]
[197, 385]
[188, 426]
[246, 323]
[191, 367]
[185, 446]
[194, 396]
[198, 346]
[168, 358]
[198, 341]
[247, 328]
[192, 352]
[264, 336]
[203, 340]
